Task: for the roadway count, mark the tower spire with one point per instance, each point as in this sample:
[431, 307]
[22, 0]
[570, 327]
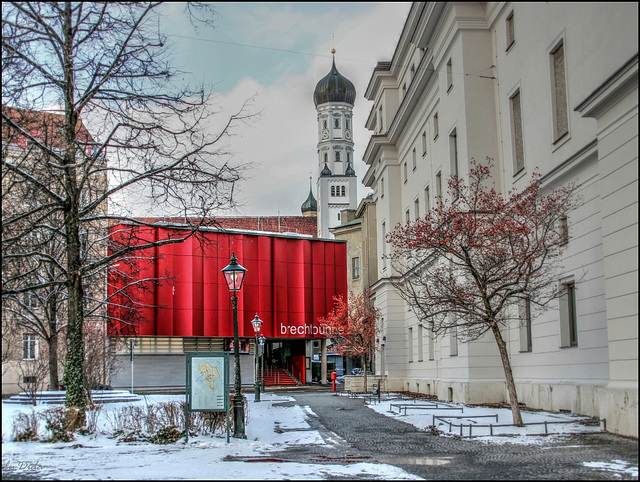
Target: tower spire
[334, 97]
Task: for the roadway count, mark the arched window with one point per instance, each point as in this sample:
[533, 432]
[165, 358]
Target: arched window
[333, 190]
[342, 191]
[337, 156]
[336, 123]
[326, 157]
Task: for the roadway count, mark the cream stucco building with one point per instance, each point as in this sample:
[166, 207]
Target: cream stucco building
[552, 86]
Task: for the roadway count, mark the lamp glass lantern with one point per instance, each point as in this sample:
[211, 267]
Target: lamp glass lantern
[234, 274]
[257, 324]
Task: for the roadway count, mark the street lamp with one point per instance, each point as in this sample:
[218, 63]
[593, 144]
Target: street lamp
[262, 341]
[132, 344]
[257, 324]
[234, 276]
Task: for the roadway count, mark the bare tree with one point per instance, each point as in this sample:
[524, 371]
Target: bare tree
[467, 265]
[32, 376]
[106, 66]
[353, 324]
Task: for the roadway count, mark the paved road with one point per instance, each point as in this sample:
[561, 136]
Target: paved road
[358, 434]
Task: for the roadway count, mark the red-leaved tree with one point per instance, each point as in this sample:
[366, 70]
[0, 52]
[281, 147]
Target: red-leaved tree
[352, 324]
[467, 266]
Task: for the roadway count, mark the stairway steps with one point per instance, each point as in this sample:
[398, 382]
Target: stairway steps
[276, 378]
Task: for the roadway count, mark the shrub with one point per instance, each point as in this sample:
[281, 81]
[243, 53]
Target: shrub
[25, 427]
[59, 421]
[166, 435]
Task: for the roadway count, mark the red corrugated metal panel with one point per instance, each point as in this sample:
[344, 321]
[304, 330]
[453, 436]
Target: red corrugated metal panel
[290, 283]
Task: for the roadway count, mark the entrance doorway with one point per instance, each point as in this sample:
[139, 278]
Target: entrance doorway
[287, 355]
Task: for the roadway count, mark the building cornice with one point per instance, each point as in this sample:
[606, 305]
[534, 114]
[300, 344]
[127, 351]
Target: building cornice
[612, 90]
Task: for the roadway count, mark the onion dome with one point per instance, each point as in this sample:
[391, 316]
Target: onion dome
[350, 170]
[310, 206]
[326, 171]
[334, 87]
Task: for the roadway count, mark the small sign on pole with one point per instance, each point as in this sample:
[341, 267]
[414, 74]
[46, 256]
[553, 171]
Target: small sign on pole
[207, 385]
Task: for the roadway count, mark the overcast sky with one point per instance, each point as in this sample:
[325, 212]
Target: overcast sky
[279, 51]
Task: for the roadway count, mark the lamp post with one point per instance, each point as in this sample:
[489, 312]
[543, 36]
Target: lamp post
[234, 276]
[262, 341]
[132, 344]
[257, 324]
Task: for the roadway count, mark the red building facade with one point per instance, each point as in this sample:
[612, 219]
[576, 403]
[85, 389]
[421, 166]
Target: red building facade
[290, 283]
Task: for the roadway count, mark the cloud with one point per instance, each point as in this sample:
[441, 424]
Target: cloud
[282, 142]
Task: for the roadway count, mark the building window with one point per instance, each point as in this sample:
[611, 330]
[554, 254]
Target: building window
[336, 123]
[516, 133]
[30, 299]
[416, 208]
[432, 353]
[453, 153]
[435, 126]
[564, 231]
[449, 76]
[29, 346]
[324, 124]
[380, 119]
[407, 216]
[410, 345]
[420, 344]
[427, 200]
[439, 187]
[342, 191]
[337, 156]
[524, 313]
[347, 123]
[326, 157]
[355, 268]
[405, 172]
[568, 316]
[384, 245]
[424, 144]
[559, 96]
[404, 89]
[511, 36]
[453, 341]
[382, 187]
[333, 190]
[413, 159]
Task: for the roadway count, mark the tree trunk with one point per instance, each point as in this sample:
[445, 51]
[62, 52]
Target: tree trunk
[511, 386]
[53, 361]
[74, 361]
[364, 370]
[52, 316]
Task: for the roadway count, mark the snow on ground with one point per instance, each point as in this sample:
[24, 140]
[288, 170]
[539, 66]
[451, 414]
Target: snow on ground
[483, 423]
[487, 420]
[271, 427]
[96, 457]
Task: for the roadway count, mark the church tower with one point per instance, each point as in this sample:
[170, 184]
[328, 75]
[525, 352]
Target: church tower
[334, 97]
